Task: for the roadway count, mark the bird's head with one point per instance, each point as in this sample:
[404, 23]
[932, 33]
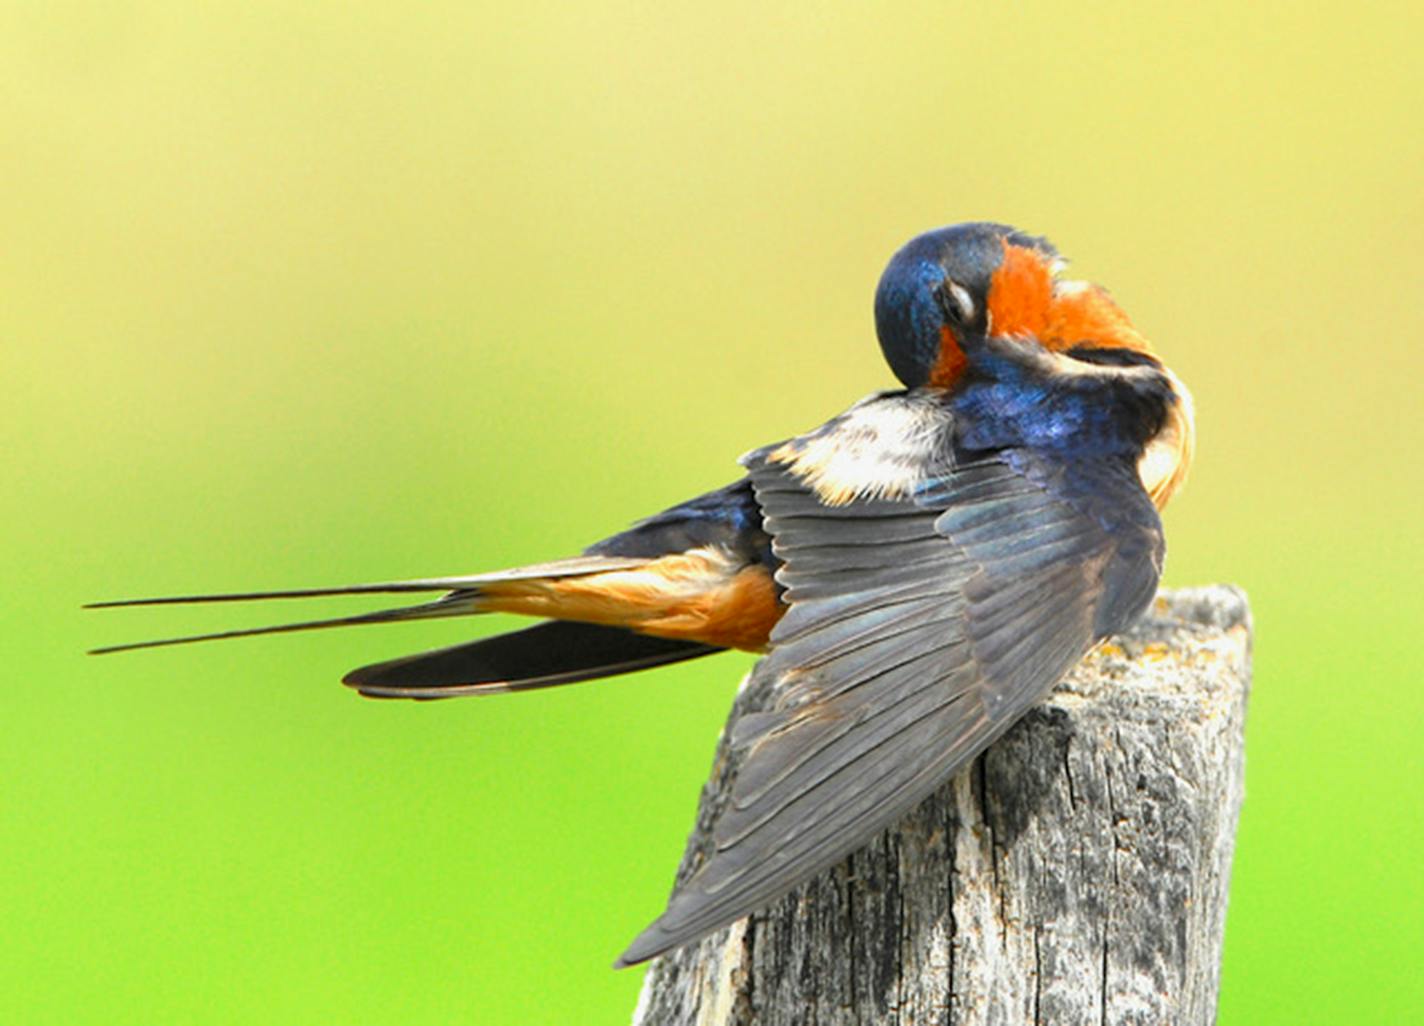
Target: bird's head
[955, 292]
[948, 288]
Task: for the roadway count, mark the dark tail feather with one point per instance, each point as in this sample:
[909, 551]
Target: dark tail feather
[395, 587]
[450, 606]
[576, 567]
[558, 652]
[465, 596]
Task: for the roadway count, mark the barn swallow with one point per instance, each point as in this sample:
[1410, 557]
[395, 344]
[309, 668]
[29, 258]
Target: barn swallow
[916, 572]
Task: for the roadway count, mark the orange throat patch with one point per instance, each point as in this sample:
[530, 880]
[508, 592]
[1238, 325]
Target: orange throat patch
[1026, 301]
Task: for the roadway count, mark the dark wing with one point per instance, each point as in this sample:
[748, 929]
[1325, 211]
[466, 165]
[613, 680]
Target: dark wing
[543, 656]
[919, 630]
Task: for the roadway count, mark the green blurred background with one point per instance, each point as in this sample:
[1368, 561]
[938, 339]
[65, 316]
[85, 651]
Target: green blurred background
[317, 293]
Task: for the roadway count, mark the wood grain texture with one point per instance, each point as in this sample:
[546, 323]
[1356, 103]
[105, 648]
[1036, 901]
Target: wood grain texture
[1076, 873]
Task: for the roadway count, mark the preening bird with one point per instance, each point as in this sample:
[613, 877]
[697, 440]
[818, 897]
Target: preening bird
[917, 572]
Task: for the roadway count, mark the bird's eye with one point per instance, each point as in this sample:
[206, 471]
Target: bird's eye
[957, 301]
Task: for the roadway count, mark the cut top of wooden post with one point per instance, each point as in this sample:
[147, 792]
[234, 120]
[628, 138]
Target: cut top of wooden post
[1077, 872]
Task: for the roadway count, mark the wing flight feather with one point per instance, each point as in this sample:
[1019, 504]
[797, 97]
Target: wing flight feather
[919, 630]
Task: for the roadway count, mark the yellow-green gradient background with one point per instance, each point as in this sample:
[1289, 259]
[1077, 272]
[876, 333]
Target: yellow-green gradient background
[298, 294]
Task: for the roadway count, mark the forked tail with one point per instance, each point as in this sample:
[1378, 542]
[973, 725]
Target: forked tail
[610, 615]
[464, 596]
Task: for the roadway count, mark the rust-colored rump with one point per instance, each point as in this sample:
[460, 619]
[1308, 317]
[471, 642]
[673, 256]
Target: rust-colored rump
[700, 595]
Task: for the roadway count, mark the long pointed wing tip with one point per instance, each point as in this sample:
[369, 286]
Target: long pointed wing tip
[367, 690]
[648, 945]
[433, 692]
[631, 958]
[367, 683]
[367, 679]
[377, 696]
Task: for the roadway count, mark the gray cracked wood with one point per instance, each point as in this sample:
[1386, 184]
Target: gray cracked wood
[1077, 872]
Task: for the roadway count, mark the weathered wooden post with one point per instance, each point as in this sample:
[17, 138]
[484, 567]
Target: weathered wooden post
[1077, 873]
